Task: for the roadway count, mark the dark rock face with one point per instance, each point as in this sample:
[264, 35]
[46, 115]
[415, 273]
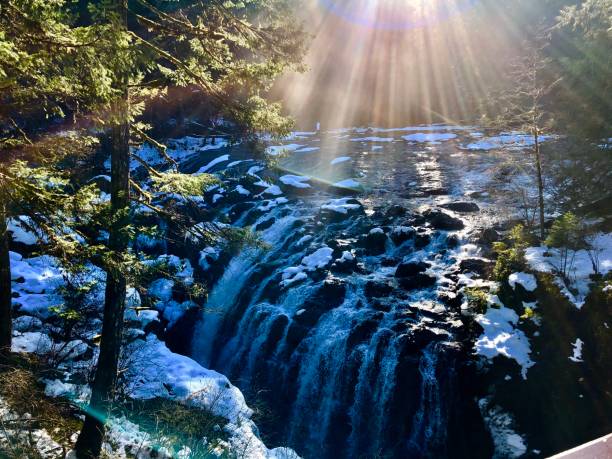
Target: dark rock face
[422, 240]
[418, 281]
[400, 236]
[461, 206]
[395, 211]
[476, 265]
[411, 269]
[442, 221]
[375, 289]
[329, 296]
[265, 224]
[374, 243]
[489, 236]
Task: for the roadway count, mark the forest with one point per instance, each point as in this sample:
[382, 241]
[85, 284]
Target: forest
[284, 229]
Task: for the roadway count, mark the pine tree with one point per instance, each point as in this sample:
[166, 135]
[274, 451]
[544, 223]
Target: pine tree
[218, 48]
[45, 79]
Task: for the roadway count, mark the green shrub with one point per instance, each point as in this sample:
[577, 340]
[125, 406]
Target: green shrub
[511, 258]
[478, 299]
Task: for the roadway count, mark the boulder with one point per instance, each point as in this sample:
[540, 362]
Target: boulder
[377, 289]
[411, 269]
[395, 211]
[442, 221]
[461, 206]
[419, 281]
[476, 265]
[421, 240]
[374, 242]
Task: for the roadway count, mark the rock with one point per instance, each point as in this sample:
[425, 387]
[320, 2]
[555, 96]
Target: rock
[461, 206]
[411, 269]
[420, 281]
[265, 224]
[421, 240]
[401, 234]
[363, 331]
[489, 236]
[434, 191]
[442, 221]
[452, 241]
[451, 299]
[476, 265]
[377, 289]
[395, 211]
[375, 242]
[329, 296]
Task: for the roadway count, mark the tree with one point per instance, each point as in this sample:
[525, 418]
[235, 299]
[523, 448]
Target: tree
[45, 79]
[231, 51]
[567, 235]
[523, 106]
[582, 39]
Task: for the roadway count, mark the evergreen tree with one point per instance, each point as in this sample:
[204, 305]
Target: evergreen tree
[231, 51]
[45, 79]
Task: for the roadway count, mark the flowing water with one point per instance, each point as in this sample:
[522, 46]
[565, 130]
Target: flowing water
[351, 361]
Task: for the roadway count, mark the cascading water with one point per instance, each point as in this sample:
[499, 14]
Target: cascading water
[353, 362]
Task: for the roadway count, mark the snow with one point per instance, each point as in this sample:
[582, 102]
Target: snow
[500, 337]
[304, 239]
[577, 351]
[527, 281]
[20, 233]
[161, 289]
[348, 183]
[296, 181]
[508, 443]
[377, 231]
[340, 159]
[373, 139]
[307, 150]
[507, 140]
[32, 342]
[35, 281]
[341, 206]
[346, 256]
[242, 190]
[254, 170]
[272, 203]
[580, 271]
[434, 138]
[318, 259]
[273, 190]
[213, 163]
[281, 149]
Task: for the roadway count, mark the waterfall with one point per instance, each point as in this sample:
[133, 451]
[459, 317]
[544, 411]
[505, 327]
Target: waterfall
[429, 427]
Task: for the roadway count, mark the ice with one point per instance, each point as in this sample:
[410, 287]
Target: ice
[528, 281]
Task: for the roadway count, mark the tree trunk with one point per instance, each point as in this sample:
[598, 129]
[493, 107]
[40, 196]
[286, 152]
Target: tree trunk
[6, 325]
[540, 183]
[89, 443]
